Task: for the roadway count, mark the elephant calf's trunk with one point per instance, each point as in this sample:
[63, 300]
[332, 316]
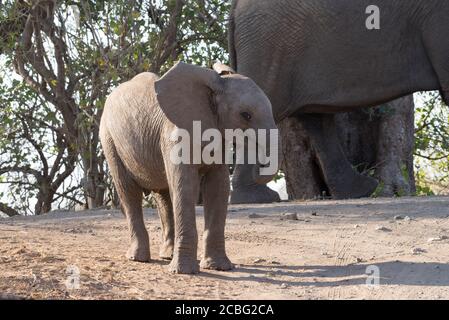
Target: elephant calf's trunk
[269, 159]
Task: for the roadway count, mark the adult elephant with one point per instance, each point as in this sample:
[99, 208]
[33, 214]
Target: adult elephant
[315, 58]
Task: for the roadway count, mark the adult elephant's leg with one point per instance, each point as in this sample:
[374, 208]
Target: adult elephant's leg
[165, 210]
[436, 44]
[215, 189]
[342, 180]
[246, 190]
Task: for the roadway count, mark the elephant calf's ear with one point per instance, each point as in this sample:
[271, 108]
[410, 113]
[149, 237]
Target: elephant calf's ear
[223, 69]
[184, 94]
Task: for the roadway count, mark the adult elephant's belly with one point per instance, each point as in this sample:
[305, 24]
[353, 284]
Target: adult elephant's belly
[333, 88]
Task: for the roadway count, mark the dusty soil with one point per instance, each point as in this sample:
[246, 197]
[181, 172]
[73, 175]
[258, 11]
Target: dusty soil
[325, 254]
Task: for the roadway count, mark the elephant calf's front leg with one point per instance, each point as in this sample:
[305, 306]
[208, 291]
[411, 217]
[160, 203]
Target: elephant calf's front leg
[185, 187]
[215, 192]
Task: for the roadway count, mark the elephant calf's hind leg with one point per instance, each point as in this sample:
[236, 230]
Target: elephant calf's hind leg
[130, 195]
[139, 249]
[165, 210]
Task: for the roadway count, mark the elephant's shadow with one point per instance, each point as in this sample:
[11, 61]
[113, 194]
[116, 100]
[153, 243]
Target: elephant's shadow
[390, 273]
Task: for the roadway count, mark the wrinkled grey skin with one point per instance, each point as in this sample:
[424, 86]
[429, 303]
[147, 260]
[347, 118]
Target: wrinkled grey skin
[135, 129]
[314, 58]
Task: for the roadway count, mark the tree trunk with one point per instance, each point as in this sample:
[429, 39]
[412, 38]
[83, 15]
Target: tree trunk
[378, 141]
[396, 147]
[44, 198]
[93, 164]
[93, 184]
[303, 176]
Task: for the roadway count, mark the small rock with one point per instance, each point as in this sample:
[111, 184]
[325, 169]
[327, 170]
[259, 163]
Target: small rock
[407, 218]
[356, 226]
[255, 216]
[19, 251]
[418, 251]
[284, 286]
[275, 262]
[398, 217]
[314, 214]
[440, 238]
[382, 228]
[259, 260]
[289, 216]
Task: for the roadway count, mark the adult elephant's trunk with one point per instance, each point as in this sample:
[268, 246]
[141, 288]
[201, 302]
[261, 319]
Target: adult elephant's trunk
[249, 180]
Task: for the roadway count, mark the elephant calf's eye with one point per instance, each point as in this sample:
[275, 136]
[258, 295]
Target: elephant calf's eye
[246, 116]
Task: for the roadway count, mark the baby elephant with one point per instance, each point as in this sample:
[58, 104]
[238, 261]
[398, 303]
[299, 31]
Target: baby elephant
[136, 132]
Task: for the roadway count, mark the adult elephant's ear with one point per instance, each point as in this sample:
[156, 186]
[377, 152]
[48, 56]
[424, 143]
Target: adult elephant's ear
[184, 94]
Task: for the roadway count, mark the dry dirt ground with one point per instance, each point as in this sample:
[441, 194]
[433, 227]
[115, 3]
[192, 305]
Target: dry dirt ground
[330, 252]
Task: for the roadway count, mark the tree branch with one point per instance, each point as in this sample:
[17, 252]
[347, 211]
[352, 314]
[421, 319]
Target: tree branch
[10, 212]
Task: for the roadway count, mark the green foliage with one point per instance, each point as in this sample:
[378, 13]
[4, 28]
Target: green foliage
[380, 111]
[405, 173]
[105, 43]
[432, 144]
[379, 190]
[279, 176]
[27, 144]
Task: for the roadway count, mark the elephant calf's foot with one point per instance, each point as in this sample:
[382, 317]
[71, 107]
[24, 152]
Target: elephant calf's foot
[166, 250]
[139, 253]
[184, 265]
[217, 263]
[254, 194]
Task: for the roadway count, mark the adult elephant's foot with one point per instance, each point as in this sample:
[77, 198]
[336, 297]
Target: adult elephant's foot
[166, 250]
[216, 263]
[254, 194]
[138, 252]
[184, 265]
[353, 186]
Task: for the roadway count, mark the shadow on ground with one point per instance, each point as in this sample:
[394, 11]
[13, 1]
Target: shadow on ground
[390, 273]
